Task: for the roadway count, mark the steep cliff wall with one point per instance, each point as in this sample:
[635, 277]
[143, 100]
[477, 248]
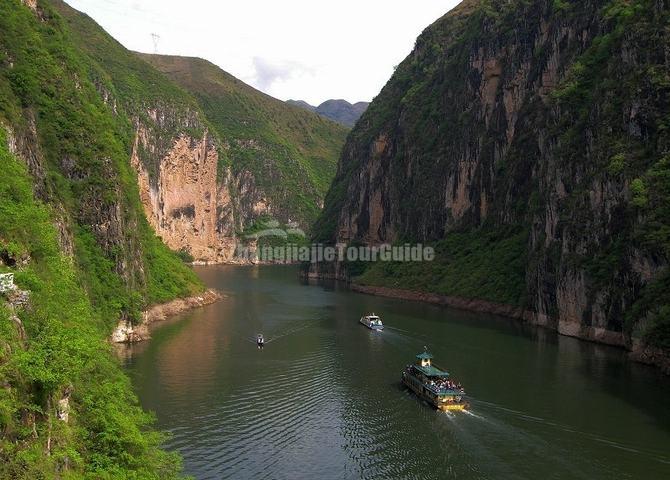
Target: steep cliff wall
[281, 158]
[186, 205]
[74, 234]
[212, 155]
[534, 133]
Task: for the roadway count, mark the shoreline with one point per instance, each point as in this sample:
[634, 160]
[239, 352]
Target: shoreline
[479, 306]
[241, 263]
[637, 350]
[125, 332]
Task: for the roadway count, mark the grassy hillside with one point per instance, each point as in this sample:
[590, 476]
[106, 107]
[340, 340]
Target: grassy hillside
[291, 152]
[57, 347]
[73, 214]
[83, 148]
[488, 265]
[133, 87]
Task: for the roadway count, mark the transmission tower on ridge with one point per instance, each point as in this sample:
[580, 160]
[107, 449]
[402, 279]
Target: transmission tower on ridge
[155, 38]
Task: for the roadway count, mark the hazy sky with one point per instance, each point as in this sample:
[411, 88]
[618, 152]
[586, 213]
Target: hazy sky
[303, 49]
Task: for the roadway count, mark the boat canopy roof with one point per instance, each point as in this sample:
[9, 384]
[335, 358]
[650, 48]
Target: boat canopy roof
[424, 356]
[372, 317]
[431, 371]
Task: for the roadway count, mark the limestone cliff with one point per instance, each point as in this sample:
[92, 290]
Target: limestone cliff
[212, 155]
[536, 128]
[278, 160]
[185, 204]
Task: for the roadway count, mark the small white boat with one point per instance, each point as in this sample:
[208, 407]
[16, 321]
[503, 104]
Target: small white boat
[373, 322]
[260, 341]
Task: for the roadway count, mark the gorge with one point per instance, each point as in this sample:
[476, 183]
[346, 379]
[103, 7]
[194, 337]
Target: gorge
[212, 154]
[526, 141]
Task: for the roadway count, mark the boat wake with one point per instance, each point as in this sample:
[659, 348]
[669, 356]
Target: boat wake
[656, 455]
[292, 331]
[470, 413]
[289, 332]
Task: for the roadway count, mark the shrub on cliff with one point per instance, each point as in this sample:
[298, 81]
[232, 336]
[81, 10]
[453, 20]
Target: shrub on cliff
[59, 345]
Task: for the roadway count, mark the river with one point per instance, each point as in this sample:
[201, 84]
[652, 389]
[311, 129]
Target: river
[323, 399]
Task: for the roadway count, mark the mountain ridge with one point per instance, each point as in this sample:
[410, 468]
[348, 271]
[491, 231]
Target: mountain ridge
[338, 110]
[240, 114]
[262, 158]
[83, 256]
[531, 160]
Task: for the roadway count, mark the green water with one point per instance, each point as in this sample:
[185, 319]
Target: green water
[323, 399]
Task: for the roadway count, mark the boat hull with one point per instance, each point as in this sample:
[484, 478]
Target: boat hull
[459, 407]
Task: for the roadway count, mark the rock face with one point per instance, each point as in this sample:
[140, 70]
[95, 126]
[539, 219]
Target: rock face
[213, 156]
[32, 4]
[193, 203]
[531, 116]
[185, 204]
[74, 232]
[6, 282]
[273, 160]
[125, 332]
[63, 406]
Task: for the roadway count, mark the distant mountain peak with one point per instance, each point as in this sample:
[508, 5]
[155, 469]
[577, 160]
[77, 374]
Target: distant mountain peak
[302, 104]
[338, 110]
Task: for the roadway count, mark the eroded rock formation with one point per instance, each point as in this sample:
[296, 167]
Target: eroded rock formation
[188, 208]
[532, 116]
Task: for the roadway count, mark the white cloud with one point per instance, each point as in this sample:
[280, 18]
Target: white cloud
[300, 49]
[269, 72]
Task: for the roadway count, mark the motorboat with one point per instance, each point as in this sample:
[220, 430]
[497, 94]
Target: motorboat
[373, 322]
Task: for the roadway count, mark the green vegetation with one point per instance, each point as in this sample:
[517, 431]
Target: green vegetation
[639, 191]
[86, 151]
[133, 87]
[52, 103]
[596, 79]
[106, 435]
[586, 171]
[617, 164]
[654, 233]
[185, 256]
[488, 265]
[269, 232]
[561, 5]
[291, 152]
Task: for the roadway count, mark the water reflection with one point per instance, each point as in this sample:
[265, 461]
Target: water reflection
[323, 399]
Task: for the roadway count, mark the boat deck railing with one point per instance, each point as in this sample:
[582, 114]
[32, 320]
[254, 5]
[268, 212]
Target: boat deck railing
[445, 391]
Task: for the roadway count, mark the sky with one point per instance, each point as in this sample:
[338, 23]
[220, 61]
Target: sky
[291, 49]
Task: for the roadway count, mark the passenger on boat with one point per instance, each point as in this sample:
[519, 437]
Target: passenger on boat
[445, 385]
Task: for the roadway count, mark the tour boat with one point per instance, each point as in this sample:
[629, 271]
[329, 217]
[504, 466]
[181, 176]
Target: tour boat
[260, 340]
[433, 384]
[373, 322]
